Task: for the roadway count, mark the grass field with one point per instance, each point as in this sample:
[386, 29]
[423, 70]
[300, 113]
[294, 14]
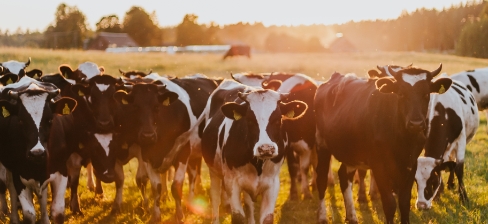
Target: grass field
[320, 66]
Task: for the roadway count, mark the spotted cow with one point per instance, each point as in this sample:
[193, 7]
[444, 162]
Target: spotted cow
[18, 68]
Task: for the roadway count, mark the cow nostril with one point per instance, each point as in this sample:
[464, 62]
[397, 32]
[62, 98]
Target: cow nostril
[37, 152]
[104, 123]
[421, 205]
[148, 134]
[266, 150]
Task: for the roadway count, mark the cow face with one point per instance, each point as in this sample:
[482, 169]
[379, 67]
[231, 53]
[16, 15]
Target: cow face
[31, 111]
[413, 87]
[85, 71]
[263, 113]
[99, 95]
[145, 103]
[14, 67]
[428, 178]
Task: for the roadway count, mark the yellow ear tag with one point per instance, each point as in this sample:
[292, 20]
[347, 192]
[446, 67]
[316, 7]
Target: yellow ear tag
[124, 101]
[80, 93]
[80, 145]
[442, 89]
[9, 81]
[35, 76]
[66, 109]
[237, 116]
[166, 102]
[290, 114]
[125, 145]
[5, 112]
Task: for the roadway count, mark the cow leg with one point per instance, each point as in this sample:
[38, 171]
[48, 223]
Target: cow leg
[293, 168]
[362, 186]
[119, 187]
[215, 196]
[346, 176]
[193, 170]
[58, 190]
[304, 170]
[14, 199]
[98, 188]
[155, 179]
[3, 190]
[373, 187]
[459, 169]
[405, 194]
[385, 190]
[89, 177]
[269, 201]
[323, 166]
[164, 186]
[28, 210]
[233, 191]
[249, 208]
[450, 180]
[141, 175]
[176, 191]
[43, 206]
[74, 168]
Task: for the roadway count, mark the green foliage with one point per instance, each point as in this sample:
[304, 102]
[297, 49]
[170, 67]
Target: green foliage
[68, 30]
[109, 24]
[473, 41]
[189, 32]
[142, 28]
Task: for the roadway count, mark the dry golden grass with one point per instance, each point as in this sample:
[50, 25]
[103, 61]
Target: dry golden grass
[97, 210]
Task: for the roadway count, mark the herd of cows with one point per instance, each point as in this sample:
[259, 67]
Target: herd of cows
[244, 127]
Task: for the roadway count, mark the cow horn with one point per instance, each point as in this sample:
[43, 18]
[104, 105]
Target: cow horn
[393, 73]
[28, 63]
[53, 93]
[128, 87]
[232, 75]
[150, 71]
[410, 65]
[437, 71]
[1, 69]
[243, 96]
[13, 94]
[121, 72]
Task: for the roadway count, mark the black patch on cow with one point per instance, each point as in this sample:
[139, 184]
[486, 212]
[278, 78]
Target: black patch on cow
[472, 110]
[471, 99]
[458, 90]
[221, 137]
[442, 131]
[459, 85]
[3, 187]
[474, 83]
[470, 89]
[464, 101]
[258, 164]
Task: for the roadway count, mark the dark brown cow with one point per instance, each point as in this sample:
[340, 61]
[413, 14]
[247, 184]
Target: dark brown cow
[236, 50]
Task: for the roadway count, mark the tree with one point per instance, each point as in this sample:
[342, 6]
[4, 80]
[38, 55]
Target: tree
[140, 26]
[69, 28]
[110, 24]
[188, 32]
[472, 41]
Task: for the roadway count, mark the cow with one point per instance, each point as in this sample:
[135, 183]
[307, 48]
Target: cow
[301, 133]
[28, 108]
[378, 124]
[236, 50]
[243, 144]
[18, 68]
[165, 116]
[476, 80]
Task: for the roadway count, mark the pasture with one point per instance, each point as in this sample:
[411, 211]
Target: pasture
[319, 66]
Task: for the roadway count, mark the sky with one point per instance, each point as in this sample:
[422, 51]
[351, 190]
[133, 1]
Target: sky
[39, 14]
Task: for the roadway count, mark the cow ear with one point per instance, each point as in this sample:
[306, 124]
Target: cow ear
[9, 79]
[271, 85]
[293, 110]
[34, 73]
[373, 73]
[167, 98]
[64, 106]
[122, 97]
[441, 85]
[7, 108]
[448, 165]
[80, 90]
[386, 85]
[67, 72]
[234, 110]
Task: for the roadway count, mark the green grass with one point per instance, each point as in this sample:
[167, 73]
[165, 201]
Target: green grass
[97, 210]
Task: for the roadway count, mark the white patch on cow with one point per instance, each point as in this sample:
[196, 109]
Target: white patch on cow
[412, 79]
[295, 80]
[425, 165]
[254, 81]
[104, 140]
[349, 203]
[102, 87]
[153, 76]
[34, 104]
[106, 171]
[196, 76]
[71, 81]
[90, 69]
[322, 211]
[14, 66]
[263, 104]
[28, 210]
[58, 203]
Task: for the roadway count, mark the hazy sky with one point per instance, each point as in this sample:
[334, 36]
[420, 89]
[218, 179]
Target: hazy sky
[38, 14]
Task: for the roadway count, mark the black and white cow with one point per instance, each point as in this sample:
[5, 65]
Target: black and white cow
[378, 124]
[300, 150]
[453, 121]
[243, 145]
[18, 68]
[165, 113]
[476, 81]
[28, 108]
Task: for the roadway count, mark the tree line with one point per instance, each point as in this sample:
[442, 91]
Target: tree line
[461, 29]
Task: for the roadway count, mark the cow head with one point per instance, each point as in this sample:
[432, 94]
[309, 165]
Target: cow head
[413, 87]
[31, 112]
[263, 112]
[85, 71]
[134, 74]
[99, 97]
[145, 102]
[428, 178]
[14, 67]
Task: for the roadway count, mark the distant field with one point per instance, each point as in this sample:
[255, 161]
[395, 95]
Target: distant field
[320, 66]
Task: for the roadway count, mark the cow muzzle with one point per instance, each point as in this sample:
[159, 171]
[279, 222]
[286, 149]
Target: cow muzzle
[36, 154]
[266, 151]
[105, 125]
[421, 205]
[147, 137]
[416, 126]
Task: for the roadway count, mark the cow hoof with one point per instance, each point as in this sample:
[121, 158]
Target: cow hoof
[59, 219]
[77, 212]
[450, 186]
[352, 221]
[155, 220]
[115, 210]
